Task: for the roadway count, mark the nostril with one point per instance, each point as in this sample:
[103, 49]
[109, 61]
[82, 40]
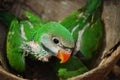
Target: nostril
[68, 50]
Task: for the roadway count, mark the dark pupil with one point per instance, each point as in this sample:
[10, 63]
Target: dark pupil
[56, 41]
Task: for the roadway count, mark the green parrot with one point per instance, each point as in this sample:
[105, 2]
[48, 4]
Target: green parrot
[86, 28]
[36, 39]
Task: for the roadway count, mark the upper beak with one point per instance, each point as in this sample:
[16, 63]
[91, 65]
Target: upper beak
[63, 55]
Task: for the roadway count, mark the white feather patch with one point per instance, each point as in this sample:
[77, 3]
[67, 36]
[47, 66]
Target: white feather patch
[30, 24]
[80, 33]
[74, 29]
[80, 15]
[23, 32]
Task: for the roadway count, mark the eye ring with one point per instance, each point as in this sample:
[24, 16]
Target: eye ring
[56, 40]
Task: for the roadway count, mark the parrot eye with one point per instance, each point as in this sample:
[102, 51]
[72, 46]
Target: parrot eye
[55, 40]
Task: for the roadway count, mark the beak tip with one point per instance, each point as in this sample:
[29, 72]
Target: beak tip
[63, 56]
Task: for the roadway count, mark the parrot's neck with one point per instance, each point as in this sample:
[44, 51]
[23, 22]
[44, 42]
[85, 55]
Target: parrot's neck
[36, 51]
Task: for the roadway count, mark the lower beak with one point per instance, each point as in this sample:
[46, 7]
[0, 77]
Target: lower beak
[63, 55]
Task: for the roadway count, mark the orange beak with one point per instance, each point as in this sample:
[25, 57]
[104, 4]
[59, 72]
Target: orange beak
[63, 56]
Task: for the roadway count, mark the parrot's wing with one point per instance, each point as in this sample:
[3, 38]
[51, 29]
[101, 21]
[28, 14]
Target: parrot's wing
[91, 39]
[76, 22]
[14, 41]
[30, 29]
[80, 22]
[71, 20]
[32, 24]
[33, 18]
[19, 34]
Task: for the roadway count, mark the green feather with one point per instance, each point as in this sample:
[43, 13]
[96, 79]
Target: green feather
[26, 28]
[80, 21]
[72, 67]
[26, 36]
[91, 39]
[33, 18]
[87, 29]
[15, 58]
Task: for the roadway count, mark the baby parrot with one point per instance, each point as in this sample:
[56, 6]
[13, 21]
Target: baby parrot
[36, 39]
[86, 27]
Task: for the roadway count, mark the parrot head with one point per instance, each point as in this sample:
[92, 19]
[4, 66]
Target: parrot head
[52, 39]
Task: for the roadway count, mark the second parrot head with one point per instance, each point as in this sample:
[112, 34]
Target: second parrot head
[56, 40]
